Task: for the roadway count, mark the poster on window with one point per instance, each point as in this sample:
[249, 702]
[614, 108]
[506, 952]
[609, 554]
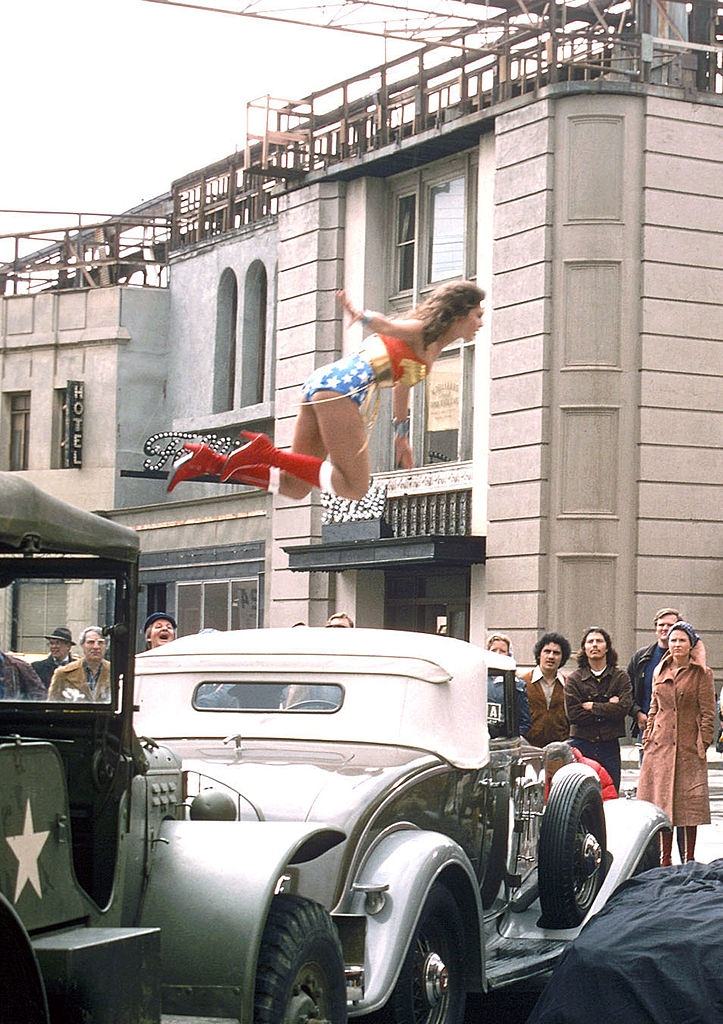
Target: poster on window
[443, 392]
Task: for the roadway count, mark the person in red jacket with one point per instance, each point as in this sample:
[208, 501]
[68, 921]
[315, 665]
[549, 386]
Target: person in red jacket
[555, 755]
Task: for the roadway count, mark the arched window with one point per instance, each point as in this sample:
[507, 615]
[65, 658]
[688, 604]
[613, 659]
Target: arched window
[253, 358]
[224, 363]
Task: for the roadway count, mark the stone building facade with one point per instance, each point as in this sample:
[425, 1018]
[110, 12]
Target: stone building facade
[573, 475]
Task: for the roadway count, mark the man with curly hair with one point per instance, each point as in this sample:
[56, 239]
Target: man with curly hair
[546, 691]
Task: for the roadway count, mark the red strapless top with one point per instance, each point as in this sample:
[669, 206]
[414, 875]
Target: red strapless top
[393, 360]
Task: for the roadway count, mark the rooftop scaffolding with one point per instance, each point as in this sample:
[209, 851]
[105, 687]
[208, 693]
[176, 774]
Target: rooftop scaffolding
[130, 249]
[470, 57]
[515, 48]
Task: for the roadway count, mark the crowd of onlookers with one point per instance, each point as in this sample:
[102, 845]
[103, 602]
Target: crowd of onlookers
[64, 677]
[667, 693]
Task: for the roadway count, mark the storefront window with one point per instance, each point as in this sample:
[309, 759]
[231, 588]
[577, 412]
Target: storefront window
[222, 604]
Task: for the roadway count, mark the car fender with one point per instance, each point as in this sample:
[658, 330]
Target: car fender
[209, 890]
[631, 825]
[409, 862]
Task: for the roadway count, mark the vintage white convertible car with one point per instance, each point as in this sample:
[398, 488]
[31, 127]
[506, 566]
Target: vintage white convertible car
[386, 849]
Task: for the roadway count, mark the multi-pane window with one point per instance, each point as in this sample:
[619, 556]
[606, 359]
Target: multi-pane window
[446, 227]
[37, 609]
[406, 241]
[217, 604]
[19, 430]
[434, 214]
[448, 413]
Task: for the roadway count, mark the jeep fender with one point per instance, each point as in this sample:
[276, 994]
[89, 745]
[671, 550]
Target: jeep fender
[410, 862]
[209, 891]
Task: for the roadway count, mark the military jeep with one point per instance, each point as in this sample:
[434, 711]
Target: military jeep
[85, 809]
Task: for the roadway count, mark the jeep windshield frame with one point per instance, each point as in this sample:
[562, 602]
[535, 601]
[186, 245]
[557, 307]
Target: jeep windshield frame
[42, 537]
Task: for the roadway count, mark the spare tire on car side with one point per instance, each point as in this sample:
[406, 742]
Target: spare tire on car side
[572, 851]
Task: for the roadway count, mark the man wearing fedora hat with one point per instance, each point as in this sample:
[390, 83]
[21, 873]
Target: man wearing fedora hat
[60, 641]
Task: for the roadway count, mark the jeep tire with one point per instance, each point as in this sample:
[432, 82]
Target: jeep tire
[22, 993]
[300, 972]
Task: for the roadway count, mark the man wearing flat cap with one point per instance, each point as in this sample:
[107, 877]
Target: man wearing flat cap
[59, 641]
[159, 628]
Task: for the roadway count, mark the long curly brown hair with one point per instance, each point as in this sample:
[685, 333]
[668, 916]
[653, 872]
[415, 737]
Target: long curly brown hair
[447, 303]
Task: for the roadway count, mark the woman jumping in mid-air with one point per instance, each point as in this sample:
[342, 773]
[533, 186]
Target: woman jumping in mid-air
[329, 449]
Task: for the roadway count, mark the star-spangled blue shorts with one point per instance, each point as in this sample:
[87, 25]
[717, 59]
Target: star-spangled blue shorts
[350, 376]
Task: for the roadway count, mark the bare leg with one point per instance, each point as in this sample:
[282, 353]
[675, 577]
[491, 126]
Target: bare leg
[331, 425]
[307, 440]
[346, 442]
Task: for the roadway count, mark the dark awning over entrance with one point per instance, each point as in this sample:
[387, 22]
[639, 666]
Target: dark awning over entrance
[387, 553]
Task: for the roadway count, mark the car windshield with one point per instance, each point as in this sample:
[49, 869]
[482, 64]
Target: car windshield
[268, 696]
[55, 644]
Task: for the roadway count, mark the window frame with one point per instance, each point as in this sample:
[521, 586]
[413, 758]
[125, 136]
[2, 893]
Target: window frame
[19, 464]
[421, 183]
[180, 613]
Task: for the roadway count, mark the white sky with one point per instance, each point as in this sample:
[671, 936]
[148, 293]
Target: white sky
[107, 101]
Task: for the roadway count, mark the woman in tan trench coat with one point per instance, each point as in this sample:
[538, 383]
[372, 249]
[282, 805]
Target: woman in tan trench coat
[674, 773]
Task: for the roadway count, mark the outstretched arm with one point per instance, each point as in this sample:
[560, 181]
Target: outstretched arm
[405, 330]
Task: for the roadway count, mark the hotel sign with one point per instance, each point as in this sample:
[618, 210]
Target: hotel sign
[74, 415]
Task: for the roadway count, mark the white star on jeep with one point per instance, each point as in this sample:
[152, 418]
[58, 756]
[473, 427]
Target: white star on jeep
[26, 848]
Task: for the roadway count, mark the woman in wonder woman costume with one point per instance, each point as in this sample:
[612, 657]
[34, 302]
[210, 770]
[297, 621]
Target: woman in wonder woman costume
[329, 449]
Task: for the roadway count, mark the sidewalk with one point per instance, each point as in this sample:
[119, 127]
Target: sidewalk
[629, 756]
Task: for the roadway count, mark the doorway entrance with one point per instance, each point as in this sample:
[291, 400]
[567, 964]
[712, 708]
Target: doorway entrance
[427, 601]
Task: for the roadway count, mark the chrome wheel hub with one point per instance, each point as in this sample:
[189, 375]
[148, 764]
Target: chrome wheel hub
[435, 979]
[590, 855]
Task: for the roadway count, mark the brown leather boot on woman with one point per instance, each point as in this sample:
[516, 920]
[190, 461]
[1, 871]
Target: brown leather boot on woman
[666, 848]
[691, 832]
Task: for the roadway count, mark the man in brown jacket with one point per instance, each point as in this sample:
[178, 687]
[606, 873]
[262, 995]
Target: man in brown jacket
[87, 679]
[598, 696]
[546, 691]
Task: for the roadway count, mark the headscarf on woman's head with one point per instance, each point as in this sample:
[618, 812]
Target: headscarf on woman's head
[686, 628]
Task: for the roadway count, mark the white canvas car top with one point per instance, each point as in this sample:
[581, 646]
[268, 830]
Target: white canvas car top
[409, 689]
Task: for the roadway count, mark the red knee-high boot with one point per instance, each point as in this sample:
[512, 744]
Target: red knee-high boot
[309, 468]
[666, 848]
[197, 460]
[264, 477]
[691, 832]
